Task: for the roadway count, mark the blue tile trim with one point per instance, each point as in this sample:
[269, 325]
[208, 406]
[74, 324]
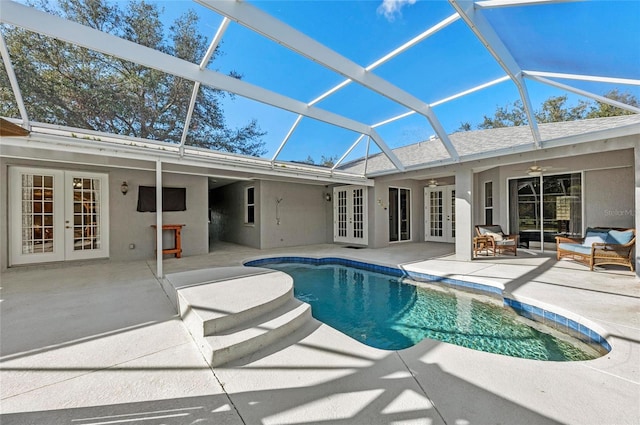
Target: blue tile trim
[526, 310]
[558, 321]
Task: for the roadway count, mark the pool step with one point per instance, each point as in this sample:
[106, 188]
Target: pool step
[234, 311]
[256, 334]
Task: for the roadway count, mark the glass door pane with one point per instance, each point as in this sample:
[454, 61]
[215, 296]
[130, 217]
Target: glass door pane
[436, 214]
[399, 214]
[405, 214]
[86, 215]
[358, 213]
[562, 205]
[393, 215]
[341, 219]
[36, 215]
[452, 217]
[524, 209]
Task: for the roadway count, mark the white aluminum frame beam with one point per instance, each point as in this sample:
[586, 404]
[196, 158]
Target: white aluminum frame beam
[488, 37]
[445, 100]
[8, 66]
[492, 4]
[196, 85]
[159, 269]
[584, 93]
[281, 33]
[43, 23]
[415, 40]
[286, 138]
[401, 49]
[582, 77]
[351, 148]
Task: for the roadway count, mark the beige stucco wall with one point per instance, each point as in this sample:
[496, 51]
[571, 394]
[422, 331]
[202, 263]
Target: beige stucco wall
[491, 175]
[129, 226]
[303, 216]
[609, 197]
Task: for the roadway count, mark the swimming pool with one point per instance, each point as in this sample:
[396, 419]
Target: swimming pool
[382, 308]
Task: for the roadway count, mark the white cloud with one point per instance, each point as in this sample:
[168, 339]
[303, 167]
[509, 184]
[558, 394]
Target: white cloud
[393, 8]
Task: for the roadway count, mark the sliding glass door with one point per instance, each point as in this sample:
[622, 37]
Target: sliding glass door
[542, 207]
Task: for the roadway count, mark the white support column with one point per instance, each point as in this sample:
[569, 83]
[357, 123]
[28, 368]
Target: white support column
[464, 215]
[159, 271]
[637, 205]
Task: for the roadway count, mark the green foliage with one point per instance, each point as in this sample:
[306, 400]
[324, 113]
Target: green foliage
[555, 109]
[325, 161]
[464, 126]
[69, 85]
[604, 110]
[508, 116]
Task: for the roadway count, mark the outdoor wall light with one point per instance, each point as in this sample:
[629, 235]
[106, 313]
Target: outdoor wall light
[432, 183]
[124, 188]
[327, 197]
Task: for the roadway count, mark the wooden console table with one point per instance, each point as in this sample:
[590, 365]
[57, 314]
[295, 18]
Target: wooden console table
[177, 245]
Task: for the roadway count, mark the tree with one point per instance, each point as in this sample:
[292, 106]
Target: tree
[598, 109]
[325, 161]
[69, 85]
[555, 109]
[464, 126]
[507, 116]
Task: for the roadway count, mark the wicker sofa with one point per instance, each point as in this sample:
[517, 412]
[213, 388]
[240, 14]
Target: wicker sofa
[601, 245]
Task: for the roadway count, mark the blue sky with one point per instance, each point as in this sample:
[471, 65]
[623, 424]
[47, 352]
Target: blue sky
[594, 37]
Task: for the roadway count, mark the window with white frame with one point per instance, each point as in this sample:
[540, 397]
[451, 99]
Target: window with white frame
[488, 202]
[250, 205]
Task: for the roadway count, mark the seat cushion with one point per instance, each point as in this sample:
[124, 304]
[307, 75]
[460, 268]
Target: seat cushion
[620, 236]
[595, 236]
[485, 230]
[496, 236]
[505, 242]
[576, 247]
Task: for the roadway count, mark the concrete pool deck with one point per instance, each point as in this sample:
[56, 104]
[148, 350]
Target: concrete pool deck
[100, 343]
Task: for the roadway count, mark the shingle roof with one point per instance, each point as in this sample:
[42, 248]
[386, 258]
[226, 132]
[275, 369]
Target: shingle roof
[475, 142]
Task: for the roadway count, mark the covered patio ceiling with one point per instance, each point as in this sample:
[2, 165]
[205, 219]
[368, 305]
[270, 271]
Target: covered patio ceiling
[403, 88]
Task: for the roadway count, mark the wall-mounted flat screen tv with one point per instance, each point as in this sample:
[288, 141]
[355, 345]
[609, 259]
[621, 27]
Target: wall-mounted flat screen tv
[173, 199]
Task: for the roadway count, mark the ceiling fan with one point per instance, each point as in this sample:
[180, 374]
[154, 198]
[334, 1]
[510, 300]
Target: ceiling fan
[537, 170]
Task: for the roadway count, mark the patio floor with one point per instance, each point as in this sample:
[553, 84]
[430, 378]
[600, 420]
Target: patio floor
[100, 343]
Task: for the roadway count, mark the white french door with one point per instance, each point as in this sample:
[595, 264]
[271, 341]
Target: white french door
[350, 214]
[57, 215]
[439, 213]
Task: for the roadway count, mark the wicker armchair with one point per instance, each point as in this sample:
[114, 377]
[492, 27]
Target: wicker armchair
[492, 239]
[601, 245]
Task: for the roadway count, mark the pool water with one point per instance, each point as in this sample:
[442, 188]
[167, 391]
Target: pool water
[386, 312]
